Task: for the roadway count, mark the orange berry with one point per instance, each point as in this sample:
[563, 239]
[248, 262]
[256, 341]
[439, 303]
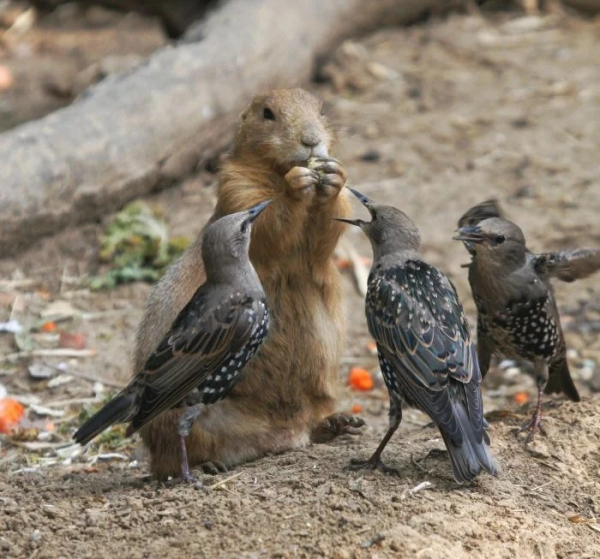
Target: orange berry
[521, 398]
[360, 379]
[11, 413]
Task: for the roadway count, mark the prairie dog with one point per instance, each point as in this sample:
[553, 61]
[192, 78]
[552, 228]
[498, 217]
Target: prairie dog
[286, 396]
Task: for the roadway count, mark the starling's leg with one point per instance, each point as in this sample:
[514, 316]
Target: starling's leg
[534, 425]
[183, 430]
[375, 463]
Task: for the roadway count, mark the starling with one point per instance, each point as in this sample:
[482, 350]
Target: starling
[516, 310]
[210, 341]
[423, 342]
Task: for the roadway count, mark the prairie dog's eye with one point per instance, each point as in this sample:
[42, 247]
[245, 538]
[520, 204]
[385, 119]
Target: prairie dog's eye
[500, 239]
[268, 114]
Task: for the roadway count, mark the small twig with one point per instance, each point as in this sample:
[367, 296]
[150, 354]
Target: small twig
[412, 459]
[103, 314]
[541, 486]
[72, 401]
[224, 481]
[93, 378]
[14, 284]
[60, 352]
[416, 489]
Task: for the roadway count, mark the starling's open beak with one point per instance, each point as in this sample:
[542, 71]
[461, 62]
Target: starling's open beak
[369, 204]
[470, 234]
[357, 222]
[364, 200]
[254, 211]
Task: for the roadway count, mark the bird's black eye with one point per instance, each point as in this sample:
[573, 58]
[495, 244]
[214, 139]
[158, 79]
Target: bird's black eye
[499, 239]
[268, 114]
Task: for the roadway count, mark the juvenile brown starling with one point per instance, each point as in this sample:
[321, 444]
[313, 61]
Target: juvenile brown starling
[516, 311]
[211, 340]
[423, 342]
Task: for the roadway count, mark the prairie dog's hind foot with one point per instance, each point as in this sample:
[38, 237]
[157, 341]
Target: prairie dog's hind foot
[335, 425]
[214, 467]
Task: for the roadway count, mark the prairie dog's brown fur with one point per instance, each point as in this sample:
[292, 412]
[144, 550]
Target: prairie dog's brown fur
[288, 390]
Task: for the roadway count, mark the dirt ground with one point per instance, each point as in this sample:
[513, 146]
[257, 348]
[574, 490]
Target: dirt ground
[433, 119]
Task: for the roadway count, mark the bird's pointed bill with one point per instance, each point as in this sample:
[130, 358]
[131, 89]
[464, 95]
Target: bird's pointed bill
[364, 200]
[255, 211]
[470, 234]
[357, 222]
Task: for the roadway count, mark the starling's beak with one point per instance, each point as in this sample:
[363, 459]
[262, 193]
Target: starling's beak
[357, 222]
[470, 234]
[254, 212]
[369, 204]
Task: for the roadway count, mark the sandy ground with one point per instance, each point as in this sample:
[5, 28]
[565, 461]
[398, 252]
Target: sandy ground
[433, 119]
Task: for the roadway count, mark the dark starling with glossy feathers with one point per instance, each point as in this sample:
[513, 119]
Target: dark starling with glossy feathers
[516, 310]
[425, 349]
[210, 342]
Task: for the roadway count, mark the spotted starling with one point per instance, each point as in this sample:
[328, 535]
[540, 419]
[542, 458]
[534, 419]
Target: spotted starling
[211, 340]
[516, 311]
[423, 342]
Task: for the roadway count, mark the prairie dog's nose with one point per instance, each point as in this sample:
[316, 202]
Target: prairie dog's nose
[310, 136]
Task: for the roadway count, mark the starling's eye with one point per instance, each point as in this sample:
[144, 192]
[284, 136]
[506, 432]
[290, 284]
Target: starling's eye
[268, 114]
[499, 239]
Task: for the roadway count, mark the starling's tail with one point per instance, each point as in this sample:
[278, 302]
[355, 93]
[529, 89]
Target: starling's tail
[119, 409]
[559, 380]
[473, 454]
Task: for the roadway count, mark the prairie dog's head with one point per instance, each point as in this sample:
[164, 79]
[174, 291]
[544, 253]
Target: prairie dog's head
[284, 127]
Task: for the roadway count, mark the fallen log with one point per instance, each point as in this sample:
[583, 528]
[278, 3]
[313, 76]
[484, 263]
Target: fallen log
[175, 15]
[135, 133]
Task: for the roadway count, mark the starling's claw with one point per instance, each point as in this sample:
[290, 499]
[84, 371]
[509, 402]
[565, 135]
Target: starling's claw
[373, 463]
[533, 426]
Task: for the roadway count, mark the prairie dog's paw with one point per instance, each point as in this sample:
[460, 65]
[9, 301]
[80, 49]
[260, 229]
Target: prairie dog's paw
[335, 425]
[332, 177]
[213, 468]
[302, 182]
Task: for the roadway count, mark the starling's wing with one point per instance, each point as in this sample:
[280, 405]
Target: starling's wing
[476, 214]
[413, 312]
[567, 265]
[203, 339]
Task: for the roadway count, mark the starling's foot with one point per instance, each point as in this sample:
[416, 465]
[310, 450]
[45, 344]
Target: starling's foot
[373, 463]
[533, 426]
[335, 425]
[183, 479]
[214, 468]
